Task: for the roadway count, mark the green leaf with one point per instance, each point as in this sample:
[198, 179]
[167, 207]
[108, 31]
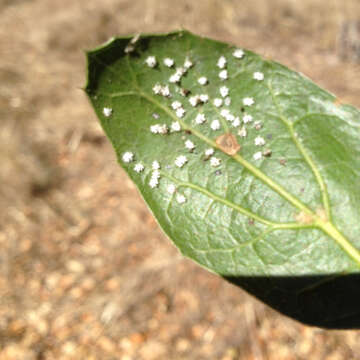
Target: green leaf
[276, 211]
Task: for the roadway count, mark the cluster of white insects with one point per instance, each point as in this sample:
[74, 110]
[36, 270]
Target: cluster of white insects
[200, 119]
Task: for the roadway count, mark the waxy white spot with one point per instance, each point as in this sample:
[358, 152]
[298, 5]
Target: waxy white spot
[221, 62]
[139, 167]
[242, 132]
[181, 199]
[128, 157]
[257, 155]
[258, 75]
[224, 112]
[236, 122]
[200, 119]
[247, 118]
[189, 145]
[188, 63]
[154, 182]
[151, 61]
[227, 101]
[181, 160]
[259, 141]
[218, 102]
[224, 91]
[157, 89]
[223, 74]
[214, 161]
[156, 174]
[204, 98]
[175, 126]
[171, 188]
[107, 111]
[175, 78]
[169, 62]
[194, 100]
[203, 80]
[209, 152]
[248, 101]
[176, 105]
[238, 53]
[155, 165]
[165, 91]
[180, 112]
[159, 129]
[215, 125]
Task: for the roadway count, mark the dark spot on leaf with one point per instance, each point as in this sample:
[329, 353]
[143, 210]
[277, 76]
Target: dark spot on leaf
[184, 92]
[188, 132]
[267, 153]
[283, 162]
[242, 109]
[302, 190]
[251, 221]
[269, 136]
[218, 172]
[228, 144]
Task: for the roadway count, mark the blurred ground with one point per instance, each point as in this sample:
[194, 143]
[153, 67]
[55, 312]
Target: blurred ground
[85, 273]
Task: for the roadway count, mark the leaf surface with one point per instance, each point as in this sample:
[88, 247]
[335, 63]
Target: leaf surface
[276, 207]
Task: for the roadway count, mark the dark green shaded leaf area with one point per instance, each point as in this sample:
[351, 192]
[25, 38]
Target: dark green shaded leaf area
[276, 208]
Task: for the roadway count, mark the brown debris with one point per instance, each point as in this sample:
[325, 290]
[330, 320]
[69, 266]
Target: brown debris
[228, 143]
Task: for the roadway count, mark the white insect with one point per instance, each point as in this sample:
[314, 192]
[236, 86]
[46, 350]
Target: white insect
[107, 111]
[194, 100]
[236, 122]
[155, 165]
[154, 182]
[215, 125]
[224, 112]
[175, 126]
[214, 161]
[169, 62]
[181, 199]
[203, 80]
[165, 91]
[204, 98]
[257, 155]
[176, 105]
[248, 101]
[223, 74]
[171, 188]
[128, 157]
[157, 89]
[180, 112]
[227, 101]
[189, 145]
[200, 119]
[139, 167]
[218, 102]
[209, 152]
[259, 141]
[180, 161]
[188, 63]
[175, 78]
[224, 91]
[242, 132]
[156, 174]
[221, 62]
[258, 75]
[163, 129]
[238, 53]
[151, 61]
[247, 118]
